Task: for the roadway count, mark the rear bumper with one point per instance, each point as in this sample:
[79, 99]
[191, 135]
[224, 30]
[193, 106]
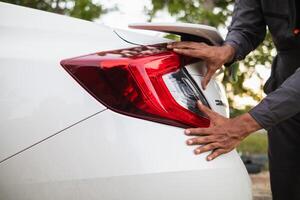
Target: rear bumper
[111, 156]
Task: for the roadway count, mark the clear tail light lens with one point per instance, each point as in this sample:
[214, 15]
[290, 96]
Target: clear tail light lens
[184, 90]
[147, 82]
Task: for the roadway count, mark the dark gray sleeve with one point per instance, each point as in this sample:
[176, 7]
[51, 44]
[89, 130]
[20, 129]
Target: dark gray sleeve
[279, 105]
[247, 29]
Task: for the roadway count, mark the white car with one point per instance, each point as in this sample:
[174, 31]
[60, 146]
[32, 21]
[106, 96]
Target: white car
[90, 112]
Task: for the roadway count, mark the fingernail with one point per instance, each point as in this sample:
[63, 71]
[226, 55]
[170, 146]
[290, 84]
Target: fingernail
[197, 151]
[175, 49]
[187, 132]
[189, 142]
[169, 46]
[199, 102]
[209, 158]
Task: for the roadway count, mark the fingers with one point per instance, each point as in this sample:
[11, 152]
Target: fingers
[211, 114]
[193, 49]
[198, 131]
[206, 148]
[186, 45]
[207, 78]
[202, 51]
[190, 52]
[216, 153]
[201, 140]
[214, 147]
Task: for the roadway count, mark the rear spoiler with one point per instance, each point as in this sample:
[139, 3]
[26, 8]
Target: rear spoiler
[188, 32]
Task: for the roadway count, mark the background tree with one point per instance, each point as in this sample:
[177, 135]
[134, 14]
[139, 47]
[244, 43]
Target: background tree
[84, 9]
[218, 13]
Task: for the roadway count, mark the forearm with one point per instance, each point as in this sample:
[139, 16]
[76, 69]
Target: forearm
[247, 29]
[242, 126]
[228, 53]
[279, 105]
[247, 123]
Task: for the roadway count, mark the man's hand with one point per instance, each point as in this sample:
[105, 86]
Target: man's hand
[215, 57]
[223, 135]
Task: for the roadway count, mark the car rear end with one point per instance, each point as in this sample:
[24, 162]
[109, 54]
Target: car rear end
[87, 115]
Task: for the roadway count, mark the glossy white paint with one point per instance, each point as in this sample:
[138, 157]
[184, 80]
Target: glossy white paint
[140, 39]
[38, 98]
[199, 30]
[112, 156]
[214, 91]
[108, 156]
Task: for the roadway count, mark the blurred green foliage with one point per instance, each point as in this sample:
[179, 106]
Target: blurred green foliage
[256, 143]
[218, 13]
[84, 9]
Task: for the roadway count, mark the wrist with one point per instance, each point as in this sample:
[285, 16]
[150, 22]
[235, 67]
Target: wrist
[228, 53]
[247, 123]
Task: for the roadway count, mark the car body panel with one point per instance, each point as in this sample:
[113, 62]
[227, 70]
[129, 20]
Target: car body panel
[214, 92]
[198, 30]
[121, 158]
[139, 39]
[38, 97]
[58, 142]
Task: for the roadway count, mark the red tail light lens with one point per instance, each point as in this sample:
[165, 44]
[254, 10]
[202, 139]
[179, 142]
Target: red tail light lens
[146, 82]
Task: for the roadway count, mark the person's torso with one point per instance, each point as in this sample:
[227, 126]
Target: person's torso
[279, 16]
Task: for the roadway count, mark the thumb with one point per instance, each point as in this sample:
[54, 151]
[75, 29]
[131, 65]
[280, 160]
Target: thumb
[205, 110]
[206, 79]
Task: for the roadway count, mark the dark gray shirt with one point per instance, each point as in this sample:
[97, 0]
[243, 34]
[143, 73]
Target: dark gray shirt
[247, 31]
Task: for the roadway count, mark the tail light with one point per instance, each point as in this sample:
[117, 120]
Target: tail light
[147, 82]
